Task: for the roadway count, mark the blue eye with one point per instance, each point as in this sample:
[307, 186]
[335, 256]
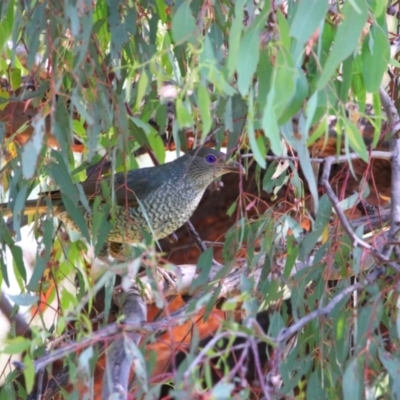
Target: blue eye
[211, 159]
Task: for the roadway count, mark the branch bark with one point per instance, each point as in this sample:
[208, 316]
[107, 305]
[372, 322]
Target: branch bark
[118, 358]
[394, 125]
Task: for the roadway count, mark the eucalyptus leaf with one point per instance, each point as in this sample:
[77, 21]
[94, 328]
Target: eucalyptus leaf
[346, 38]
[24, 300]
[203, 266]
[183, 23]
[247, 59]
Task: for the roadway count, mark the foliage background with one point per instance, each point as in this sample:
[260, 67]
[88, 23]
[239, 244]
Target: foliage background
[260, 78]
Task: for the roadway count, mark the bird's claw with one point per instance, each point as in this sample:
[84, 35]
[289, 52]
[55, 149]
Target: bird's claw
[169, 276]
[163, 279]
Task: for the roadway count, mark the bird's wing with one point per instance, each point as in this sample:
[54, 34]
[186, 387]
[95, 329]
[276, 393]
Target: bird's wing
[138, 184]
[129, 186]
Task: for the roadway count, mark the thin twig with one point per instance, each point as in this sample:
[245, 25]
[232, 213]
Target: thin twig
[196, 237]
[286, 333]
[345, 222]
[394, 121]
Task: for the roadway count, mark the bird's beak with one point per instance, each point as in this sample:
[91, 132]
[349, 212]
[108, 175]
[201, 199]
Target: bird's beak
[234, 166]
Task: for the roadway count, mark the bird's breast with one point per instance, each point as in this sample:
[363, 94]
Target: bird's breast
[170, 207]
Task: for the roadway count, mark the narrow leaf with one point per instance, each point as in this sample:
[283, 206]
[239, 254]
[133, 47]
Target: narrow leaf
[375, 58]
[356, 140]
[307, 18]
[141, 90]
[183, 116]
[24, 300]
[234, 37]
[247, 60]
[346, 39]
[183, 23]
[203, 266]
[270, 125]
[352, 382]
[204, 106]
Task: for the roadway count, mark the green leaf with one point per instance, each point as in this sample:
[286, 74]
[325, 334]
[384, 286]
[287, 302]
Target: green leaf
[16, 345]
[207, 60]
[16, 253]
[203, 267]
[33, 33]
[231, 209]
[346, 38]
[270, 125]
[204, 107]
[352, 381]
[156, 144]
[292, 254]
[379, 8]
[29, 373]
[307, 18]
[222, 390]
[357, 83]
[308, 170]
[283, 26]
[235, 119]
[377, 122]
[76, 214]
[258, 152]
[4, 99]
[141, 90]
[247, 59]
[392, 365]
[24, 300]
[61, 174]
[183, 24]
[42, 259]
[345, 83]
[85, 360]
[283, 81]
[161, 7]
[183, 115]
[2, 131]
[119, 34]
[141, 124]
[235, 34]
[315, 389]
[356, 140]
[265, 72]
[15, 78]
[100, 224]
[220, 83]
[323, 214]
[375, 58]
[300, 94]
[257, 147]
[6, 25]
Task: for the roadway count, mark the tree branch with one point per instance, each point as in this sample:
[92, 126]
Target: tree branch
[345, 222]
[118, 360]
[394, 121]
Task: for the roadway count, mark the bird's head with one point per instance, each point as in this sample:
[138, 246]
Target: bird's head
[206, 164]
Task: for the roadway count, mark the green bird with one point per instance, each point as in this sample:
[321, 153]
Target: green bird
[157, 199]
